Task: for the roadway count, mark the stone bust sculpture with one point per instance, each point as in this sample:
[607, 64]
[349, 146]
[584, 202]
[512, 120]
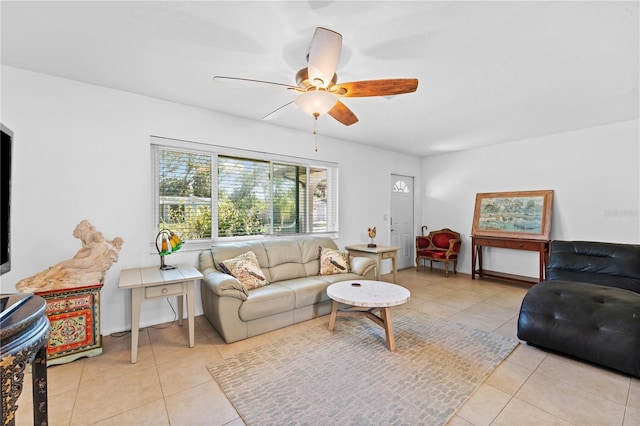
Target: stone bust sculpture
[87, 267]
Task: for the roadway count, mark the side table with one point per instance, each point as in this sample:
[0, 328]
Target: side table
[23, 341]
[377, 253]
[74, 314]
[152, 283]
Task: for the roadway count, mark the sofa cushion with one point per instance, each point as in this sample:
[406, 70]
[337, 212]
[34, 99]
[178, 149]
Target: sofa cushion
[284, 259]
[436, 254]
[351, 276]
[594, 322]
[309, 248]
[610, 264]
[311, 254]
[227, 250]
[308, 291]
[246, 269]
[266, 301]
[333, 261]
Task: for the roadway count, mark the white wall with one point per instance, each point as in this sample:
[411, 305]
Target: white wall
[83, 152]
[595, 175]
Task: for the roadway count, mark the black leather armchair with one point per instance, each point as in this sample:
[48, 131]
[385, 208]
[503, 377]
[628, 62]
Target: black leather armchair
[589, 306]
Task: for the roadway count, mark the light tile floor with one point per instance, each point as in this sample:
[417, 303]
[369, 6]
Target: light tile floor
[171, 385]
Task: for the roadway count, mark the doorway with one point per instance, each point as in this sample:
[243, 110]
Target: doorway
[401, 221]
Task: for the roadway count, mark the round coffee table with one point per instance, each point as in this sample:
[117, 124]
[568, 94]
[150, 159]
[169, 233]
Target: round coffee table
[375, 295]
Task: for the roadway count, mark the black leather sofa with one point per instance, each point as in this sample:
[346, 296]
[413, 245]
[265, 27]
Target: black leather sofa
[589, 305]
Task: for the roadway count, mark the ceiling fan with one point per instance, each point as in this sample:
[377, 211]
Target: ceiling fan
[319, 91]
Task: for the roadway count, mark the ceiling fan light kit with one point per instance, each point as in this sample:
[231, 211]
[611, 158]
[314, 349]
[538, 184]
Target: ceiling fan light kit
[316, 101]
[318, 86]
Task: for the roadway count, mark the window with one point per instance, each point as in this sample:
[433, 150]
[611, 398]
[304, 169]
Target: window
[229, 193]
[184, 188]
[401, 186]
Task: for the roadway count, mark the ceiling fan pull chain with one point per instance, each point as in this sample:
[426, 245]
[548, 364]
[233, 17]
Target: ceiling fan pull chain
[315, 129]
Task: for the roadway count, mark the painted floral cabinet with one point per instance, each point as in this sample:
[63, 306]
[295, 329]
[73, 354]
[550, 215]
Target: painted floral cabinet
[74, 315]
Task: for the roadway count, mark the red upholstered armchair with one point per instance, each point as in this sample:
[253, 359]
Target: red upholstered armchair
[440, 246]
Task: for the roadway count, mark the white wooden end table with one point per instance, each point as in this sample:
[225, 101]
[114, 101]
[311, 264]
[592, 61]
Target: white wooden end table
[377, 253]
[375, 295]
[151, 283]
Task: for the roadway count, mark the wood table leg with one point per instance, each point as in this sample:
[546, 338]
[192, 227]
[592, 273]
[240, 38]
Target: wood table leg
[334, 313]
[136, 300]
[473, 260]
[180, 308]
[385, 314]
[383, 320]
[395, 267]
[191, 311]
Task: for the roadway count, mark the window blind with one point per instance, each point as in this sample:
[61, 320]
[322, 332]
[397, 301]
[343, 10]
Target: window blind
[214, 195]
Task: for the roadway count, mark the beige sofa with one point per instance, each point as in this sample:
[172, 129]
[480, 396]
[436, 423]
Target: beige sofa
[296, 292]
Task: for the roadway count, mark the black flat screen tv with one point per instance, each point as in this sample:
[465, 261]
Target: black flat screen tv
[6, 153]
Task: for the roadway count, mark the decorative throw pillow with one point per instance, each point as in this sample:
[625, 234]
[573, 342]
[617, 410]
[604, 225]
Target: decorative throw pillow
[333, 261]
[246, 269]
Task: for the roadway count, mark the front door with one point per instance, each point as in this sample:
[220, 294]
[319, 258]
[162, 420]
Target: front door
[402, 219]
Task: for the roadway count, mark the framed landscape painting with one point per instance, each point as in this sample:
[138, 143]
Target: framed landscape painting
[520, 214]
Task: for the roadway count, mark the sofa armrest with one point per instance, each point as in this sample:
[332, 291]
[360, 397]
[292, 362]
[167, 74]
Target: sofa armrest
[205, 262]
[222, 284]
[218, 282]
[361, 265]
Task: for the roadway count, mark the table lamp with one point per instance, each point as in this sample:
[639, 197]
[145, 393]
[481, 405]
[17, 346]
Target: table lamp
[166, 243]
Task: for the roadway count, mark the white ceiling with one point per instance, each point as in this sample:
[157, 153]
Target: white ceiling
[489, 72]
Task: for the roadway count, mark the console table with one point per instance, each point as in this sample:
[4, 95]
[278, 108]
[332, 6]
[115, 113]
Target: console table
[23, 341]
[478, 242]
[151, 283]
[377, 253]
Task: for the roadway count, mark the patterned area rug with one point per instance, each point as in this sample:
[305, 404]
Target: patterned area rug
[349, 377]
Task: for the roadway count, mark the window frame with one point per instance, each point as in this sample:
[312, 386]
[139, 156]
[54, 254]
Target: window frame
[159, 143]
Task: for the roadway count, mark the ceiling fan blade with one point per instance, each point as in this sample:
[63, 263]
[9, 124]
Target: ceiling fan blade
[323, 56]
[279, 111]
[389, 87]
[260, 83]
[343, 114]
